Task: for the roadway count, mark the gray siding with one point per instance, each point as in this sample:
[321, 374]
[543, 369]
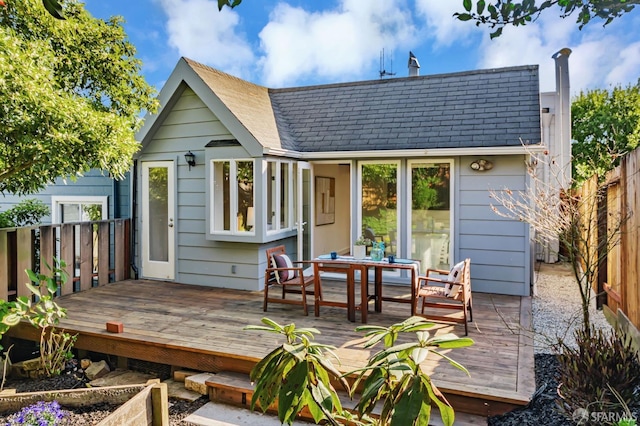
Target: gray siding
[93, 183]
[189, 127]
[498, 247]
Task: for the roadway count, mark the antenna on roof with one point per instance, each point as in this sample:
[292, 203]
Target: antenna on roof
[383, 72]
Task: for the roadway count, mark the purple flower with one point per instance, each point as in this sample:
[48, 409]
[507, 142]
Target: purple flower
[39, 414]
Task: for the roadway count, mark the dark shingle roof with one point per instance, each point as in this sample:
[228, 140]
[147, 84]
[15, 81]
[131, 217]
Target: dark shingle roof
[485, 108]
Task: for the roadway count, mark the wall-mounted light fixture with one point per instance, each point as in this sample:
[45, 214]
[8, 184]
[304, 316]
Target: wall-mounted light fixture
[481, 165]
[190, 157]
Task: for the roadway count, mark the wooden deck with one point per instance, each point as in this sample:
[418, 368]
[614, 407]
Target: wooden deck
[201, 328]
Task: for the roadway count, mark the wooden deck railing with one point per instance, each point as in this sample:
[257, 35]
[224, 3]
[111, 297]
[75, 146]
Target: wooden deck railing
[95, 253]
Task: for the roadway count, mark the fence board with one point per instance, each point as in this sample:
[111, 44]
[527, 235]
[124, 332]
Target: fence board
[630, 286]
[68, 255]
[120, 237]
[614, 206]
[86, 255]
[4, 265]
[47, 248]
[24, 244]
[103, 253]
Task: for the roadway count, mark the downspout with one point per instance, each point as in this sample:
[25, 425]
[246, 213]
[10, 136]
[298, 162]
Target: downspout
[550, 249]
[115, 194]
[132, 238]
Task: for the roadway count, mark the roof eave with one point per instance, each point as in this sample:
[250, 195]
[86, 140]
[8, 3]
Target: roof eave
[431, 152]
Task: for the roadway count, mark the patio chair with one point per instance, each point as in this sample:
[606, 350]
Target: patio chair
[451, 292]
[281, 272]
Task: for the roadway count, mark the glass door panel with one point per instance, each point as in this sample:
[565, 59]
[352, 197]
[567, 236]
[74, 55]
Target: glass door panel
[431, 214]
[379, 204]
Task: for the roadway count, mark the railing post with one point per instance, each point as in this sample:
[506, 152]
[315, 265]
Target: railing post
[103, 253]
[119, 235]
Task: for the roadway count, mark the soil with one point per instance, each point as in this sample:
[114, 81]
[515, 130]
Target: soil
[178, 409]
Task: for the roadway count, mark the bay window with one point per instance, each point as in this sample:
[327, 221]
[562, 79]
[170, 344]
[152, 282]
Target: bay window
[279, 195]
[232, 206]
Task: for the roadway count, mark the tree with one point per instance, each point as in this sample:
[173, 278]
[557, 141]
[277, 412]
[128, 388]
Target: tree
[605, 126]
[500, 13]
[71, 96]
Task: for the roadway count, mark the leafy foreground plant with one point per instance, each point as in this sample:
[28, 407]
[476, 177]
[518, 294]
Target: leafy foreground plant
[39, 414]
[44, 313]
[298, 374]
[601, 375]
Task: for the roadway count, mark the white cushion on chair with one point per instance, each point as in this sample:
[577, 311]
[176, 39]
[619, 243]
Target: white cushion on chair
[283, 261]
[455, 276]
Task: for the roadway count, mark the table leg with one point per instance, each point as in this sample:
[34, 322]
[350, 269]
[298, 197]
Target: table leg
[317, 289]
[378, 288]
[364, 293]
[351, 296]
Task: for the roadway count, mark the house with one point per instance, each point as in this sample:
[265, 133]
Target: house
[228, 168]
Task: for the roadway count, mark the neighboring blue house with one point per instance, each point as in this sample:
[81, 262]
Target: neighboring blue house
[408, 161]
[67, 198]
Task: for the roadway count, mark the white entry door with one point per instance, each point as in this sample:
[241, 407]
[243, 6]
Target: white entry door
[158, 213]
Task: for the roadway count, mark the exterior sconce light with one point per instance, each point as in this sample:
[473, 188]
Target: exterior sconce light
[190, 157]
[481, 165]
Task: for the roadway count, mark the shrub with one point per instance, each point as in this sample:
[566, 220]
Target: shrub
[601, 374]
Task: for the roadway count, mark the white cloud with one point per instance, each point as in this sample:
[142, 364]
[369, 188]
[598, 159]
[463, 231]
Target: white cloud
[198, 31]
[339, 44]
[627, 69]
[441, 25]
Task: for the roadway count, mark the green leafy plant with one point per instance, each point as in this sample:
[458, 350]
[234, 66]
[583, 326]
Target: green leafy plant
[298, 374]
[362, 241]
[393, 375]
[601, 373]
[25, 213]
[43, 313]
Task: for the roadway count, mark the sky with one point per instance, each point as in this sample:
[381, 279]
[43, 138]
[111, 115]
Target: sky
[306, 42]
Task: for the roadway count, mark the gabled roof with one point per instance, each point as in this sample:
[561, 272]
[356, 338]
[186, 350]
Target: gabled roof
[486, 108]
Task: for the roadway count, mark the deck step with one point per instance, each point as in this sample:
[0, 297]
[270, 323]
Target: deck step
[236, 389]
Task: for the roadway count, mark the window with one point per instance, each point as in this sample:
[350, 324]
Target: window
[233, 197]
[78, 209]
[279, 195]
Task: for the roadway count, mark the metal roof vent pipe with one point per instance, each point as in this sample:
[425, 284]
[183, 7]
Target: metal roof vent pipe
[414, 65]
[563, 116]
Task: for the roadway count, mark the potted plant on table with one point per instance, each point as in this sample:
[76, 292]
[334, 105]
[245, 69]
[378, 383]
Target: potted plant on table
[360, 247]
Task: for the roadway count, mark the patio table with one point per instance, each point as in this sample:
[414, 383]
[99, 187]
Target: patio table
[348, 265]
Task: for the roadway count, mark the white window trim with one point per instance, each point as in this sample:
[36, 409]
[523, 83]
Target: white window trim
[233, 196]
[56, 201]
[278, 197]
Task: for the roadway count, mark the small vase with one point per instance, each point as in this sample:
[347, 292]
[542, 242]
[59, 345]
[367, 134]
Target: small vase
[359, 252]
[377, 254]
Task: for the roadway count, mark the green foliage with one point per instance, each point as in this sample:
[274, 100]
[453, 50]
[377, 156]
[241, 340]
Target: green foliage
[44, 313]
[605, 126]
[71, 96]
[228, 3]
[500, 13]
[362, 241]
[298, 374]
[601, 374]
[393, 375]
[25, 213]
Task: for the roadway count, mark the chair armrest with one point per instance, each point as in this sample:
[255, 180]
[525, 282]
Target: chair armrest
[436, 280]
[437, 271]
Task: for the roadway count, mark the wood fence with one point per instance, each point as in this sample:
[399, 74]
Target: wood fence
[95, 253]
[619, 276]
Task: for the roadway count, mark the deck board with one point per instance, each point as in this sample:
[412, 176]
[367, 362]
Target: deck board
[167, 319]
